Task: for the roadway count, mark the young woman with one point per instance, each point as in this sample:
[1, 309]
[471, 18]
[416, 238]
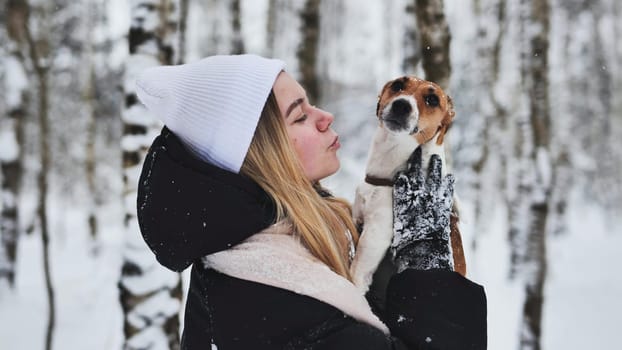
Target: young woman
[231, 186]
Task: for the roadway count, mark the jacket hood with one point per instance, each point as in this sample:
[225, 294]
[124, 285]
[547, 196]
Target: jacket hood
[188, 208]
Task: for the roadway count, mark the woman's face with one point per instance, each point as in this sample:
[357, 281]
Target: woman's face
[308, 128]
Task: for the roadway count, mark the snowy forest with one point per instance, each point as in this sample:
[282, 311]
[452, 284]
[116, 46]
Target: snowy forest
[536, 148]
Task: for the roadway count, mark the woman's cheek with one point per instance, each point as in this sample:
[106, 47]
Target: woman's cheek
[297, 147]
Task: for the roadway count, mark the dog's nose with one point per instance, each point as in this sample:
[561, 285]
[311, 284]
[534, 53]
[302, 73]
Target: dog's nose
[401, 107]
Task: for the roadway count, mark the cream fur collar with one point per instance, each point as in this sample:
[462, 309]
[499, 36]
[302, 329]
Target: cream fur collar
[275, 258]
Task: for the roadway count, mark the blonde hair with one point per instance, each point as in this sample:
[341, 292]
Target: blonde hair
[320, 221]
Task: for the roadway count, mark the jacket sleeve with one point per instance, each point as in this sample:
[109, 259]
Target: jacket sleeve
[424, 309]
[436, 309]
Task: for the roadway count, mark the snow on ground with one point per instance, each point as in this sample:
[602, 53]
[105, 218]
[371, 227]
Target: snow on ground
[583, 307]
[88, 313]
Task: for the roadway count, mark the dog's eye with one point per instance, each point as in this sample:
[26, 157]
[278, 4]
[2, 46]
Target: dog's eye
[432, 100]
[397, 86]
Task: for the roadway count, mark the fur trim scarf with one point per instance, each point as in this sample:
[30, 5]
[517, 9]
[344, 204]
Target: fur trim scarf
[274, 257]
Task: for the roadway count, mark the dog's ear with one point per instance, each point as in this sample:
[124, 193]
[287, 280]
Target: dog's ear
[447, 121]
[384, 88]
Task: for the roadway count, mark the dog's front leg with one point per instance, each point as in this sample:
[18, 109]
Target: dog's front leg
[375, 205]
[430, 148]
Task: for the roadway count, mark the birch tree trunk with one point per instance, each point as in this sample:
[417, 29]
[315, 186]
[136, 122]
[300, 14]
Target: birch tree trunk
[150, 295]
[6, 267]
[572, 134]
[95, 14]
[91, 161]
[412, 42]
[518, 183]
[307, 51]
[271, 23]
[602, 147]
[11, 130]
[284, 34]
[593, 67]
[616, 13]
[184, 7]
[435, 39]
[536, 85]
[237, 45]
[214, 28]
[517, 189]
[102, 98]
[486, 127]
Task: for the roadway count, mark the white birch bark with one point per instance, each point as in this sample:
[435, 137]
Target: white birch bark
[96, 42]
[214, 28]
[534, 67]
[237, 42]
[15, 99]
[412, 42]
[147, 324]
[284, 32]
[484, 136]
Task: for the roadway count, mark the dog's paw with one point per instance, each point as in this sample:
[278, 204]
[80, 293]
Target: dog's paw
[369, 253]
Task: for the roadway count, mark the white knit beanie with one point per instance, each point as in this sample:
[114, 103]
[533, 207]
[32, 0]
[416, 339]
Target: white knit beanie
[212, 105]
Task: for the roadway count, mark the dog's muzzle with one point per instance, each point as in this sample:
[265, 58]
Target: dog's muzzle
[398, 116]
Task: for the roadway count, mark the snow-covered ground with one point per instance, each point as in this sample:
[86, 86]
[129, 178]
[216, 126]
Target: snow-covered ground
[84, 276]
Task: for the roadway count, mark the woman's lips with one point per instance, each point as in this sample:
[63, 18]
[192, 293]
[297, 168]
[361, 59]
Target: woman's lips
[335, 143]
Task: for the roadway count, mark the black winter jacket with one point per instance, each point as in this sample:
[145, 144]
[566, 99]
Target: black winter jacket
[188, 209]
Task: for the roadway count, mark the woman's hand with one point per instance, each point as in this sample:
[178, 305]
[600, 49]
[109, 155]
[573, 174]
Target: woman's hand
[421, 210]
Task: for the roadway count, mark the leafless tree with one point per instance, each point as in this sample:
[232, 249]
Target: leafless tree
[38, 50]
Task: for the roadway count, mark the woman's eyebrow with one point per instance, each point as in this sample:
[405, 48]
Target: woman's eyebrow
[293, 105]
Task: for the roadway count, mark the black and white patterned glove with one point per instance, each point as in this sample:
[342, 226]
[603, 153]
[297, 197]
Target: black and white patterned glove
[421, 211]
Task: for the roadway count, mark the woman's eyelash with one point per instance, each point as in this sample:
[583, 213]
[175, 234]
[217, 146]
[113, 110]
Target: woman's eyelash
[301, 119]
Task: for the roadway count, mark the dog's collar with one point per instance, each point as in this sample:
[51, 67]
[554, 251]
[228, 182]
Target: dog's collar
[376, 181]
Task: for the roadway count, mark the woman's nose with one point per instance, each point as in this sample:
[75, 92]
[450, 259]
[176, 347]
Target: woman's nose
[325, 120]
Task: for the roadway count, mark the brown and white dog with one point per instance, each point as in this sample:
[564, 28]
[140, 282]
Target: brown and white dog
[411, 112]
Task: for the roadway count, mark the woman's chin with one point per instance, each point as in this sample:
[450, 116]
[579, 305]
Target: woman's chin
[330, 169]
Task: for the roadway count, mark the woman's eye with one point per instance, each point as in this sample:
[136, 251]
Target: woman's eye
[301, 119]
